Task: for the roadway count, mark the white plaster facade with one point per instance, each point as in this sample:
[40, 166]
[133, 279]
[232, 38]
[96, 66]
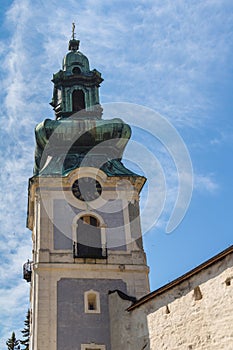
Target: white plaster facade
[50, 265]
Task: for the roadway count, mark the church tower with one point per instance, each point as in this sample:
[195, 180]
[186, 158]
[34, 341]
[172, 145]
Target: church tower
[83, 210]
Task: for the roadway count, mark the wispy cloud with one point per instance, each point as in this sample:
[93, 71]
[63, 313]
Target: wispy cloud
[164, 60]
[157, 53]
[206, 183]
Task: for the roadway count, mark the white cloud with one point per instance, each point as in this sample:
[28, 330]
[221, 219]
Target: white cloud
[13, 305]
[205, 183]
[223, 137]
[157, 53]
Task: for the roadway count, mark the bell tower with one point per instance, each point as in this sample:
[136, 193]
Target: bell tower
[83, 210]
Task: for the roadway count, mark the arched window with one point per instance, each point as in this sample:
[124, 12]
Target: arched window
[89, 243]
[92, 302]
[78, 100]
[76, 70]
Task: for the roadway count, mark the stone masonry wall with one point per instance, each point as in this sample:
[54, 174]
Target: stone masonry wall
[195, 314]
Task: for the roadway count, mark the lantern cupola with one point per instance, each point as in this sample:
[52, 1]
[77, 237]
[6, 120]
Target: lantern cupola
[76, 87]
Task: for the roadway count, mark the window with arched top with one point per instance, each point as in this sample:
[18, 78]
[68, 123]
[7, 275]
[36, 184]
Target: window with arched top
[78, 100]
[76, 70]
[89, 238]
[92, 301]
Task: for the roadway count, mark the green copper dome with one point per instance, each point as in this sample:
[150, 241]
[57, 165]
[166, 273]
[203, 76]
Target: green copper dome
[74, 60]
[79, 137]
[76, 87]
[67, 144]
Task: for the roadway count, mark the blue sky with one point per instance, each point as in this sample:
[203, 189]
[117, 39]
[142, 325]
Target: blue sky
[174, 57]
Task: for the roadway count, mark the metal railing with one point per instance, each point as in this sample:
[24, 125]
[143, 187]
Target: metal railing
[82, 251]
[27, 271]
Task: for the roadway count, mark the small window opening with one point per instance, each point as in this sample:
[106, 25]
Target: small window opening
[228, 282]
[197, 293]
[92, 302]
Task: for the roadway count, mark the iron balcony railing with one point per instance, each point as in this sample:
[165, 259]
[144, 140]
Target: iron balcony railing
[27, 271]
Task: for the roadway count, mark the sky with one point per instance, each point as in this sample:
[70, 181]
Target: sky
[174, 58]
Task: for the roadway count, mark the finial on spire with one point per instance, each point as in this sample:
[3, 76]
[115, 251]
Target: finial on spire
[73, 43]
[73, 29]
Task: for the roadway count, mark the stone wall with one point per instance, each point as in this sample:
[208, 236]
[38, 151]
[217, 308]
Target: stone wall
[193, 312]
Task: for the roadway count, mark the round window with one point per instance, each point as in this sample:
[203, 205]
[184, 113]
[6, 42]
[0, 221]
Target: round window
[86, 189]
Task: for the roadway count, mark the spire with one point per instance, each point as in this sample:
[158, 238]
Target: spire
[73, 43]
[73, 29]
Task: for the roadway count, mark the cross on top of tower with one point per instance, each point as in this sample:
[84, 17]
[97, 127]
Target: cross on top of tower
[73, 29]
[73, 43]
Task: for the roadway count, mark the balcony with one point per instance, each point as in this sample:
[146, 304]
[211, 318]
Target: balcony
[27, 271]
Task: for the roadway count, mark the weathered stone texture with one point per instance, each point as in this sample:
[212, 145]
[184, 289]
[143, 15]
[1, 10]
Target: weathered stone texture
[180, 320]
[195, 314]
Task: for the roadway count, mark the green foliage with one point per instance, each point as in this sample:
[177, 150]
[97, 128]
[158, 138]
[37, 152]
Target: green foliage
[12, 343]
[26, 332]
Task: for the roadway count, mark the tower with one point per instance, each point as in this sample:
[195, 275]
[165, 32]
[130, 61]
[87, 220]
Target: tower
[83, 210]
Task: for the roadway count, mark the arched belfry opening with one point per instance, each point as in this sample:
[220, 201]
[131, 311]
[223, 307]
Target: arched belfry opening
[78, 100]
[89, 243]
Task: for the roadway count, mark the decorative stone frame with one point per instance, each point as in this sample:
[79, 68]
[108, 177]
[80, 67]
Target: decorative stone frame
[76, 174]
[96, 295]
